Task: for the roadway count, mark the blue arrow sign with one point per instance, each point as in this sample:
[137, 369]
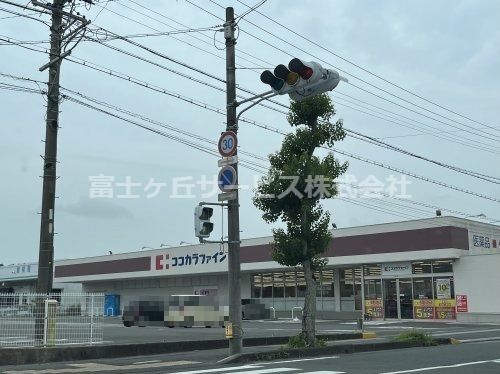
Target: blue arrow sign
[227, 179]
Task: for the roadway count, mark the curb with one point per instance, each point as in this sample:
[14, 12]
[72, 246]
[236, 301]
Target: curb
[38, 355]
[320, 351]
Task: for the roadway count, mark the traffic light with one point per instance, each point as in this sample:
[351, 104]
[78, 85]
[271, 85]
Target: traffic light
[301, 79]
[202, 225]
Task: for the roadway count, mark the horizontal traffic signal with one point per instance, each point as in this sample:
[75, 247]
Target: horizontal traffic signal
[301, 79]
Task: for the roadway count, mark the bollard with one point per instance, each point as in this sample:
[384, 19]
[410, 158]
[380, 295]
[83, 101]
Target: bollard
[360, 324]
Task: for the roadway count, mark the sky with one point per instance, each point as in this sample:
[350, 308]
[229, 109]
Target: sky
[411, 66]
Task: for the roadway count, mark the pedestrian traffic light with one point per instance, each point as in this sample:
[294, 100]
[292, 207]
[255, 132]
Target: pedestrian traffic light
[301, 79]
[202, 225]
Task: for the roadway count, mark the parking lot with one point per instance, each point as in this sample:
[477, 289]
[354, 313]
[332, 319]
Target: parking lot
[115, 332]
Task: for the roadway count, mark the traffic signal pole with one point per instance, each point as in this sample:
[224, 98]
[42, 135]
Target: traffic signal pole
[236, 342]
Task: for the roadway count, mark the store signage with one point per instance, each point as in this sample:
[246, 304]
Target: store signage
[374, 308]
[423, 309]
[396, 268]
[443, 288]
[482, 240]
[444, 309]
[462, 305]
[205, 291]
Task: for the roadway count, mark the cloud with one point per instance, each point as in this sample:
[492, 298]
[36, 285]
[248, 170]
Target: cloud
[97, 208]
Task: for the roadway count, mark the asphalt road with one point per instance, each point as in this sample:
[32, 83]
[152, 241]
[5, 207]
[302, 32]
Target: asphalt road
[473, 357]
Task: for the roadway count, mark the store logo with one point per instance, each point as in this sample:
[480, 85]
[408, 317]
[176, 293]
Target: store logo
[161, 262]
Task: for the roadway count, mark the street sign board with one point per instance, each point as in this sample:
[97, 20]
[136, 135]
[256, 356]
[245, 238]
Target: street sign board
[227, 179]
[225, 196]
[227, 161]
[228, 143]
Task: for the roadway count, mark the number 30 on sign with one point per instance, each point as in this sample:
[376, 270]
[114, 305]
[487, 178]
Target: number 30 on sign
[227, 144]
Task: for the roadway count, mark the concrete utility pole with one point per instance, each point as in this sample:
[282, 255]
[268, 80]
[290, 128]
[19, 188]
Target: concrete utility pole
[46, 251]
[233, 211]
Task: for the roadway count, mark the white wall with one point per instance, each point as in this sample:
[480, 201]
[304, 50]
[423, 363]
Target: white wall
[478, 277]
[130, 290]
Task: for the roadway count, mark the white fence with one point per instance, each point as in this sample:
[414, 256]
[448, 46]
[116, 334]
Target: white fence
[29, 319]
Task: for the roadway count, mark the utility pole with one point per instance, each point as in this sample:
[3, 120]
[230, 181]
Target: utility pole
[46, 254]
[233, 211]
[46, 249]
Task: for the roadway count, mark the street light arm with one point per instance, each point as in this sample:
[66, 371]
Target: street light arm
[262, 98]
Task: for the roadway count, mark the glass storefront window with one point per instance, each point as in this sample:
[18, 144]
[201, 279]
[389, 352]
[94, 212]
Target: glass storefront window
[317, 278]
[372, 270]
[290, 283]
[256, 287]
[327, 283]
[422, 288]
[301, 284]
[442, 266]
[346, 283]
[444, 288]
[357, 289]
[421, 267]
[373, 289]
[267, 285]
[278, 285]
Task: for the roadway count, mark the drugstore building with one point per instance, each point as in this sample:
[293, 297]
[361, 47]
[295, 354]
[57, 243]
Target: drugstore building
[442, 268]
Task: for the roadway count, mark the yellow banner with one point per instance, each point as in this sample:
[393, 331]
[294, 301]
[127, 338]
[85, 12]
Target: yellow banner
[444, 303]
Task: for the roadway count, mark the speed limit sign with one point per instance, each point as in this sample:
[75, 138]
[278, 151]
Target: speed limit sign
[227, 144]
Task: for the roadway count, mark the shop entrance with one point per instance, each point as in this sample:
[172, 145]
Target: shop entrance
[398, 298]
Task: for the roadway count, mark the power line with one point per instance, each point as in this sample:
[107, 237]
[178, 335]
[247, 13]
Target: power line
[253, 166]
[142, 6]
[354, 76]
[206, 106]
[362, 80]
[177, 130]
[437, 135]
[368, 71]
[463, 143]
[377, 142]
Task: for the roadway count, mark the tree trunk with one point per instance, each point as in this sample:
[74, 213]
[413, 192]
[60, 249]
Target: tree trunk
[309, 312]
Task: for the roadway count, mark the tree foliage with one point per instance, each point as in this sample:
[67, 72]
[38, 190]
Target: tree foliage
[302, 173]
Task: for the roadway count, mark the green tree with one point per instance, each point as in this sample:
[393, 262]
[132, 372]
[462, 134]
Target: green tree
[291, 192]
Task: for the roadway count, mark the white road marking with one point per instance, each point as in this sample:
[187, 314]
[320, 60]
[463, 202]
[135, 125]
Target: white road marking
[465, 332]
[441, 367]
[325, 372]
[493, 338]
[249, 369]
[219, 370]
[297, 360]
[145, 362]
[92, 367]
[265, 371]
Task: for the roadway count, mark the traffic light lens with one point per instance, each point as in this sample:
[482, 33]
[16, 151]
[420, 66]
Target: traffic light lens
[306, 73]
[298, 67]
[281, 71]
[292, 78]
[268, 78]
[207, 228]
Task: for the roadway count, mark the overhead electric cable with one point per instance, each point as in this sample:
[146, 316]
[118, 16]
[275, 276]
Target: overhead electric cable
[368, 71]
